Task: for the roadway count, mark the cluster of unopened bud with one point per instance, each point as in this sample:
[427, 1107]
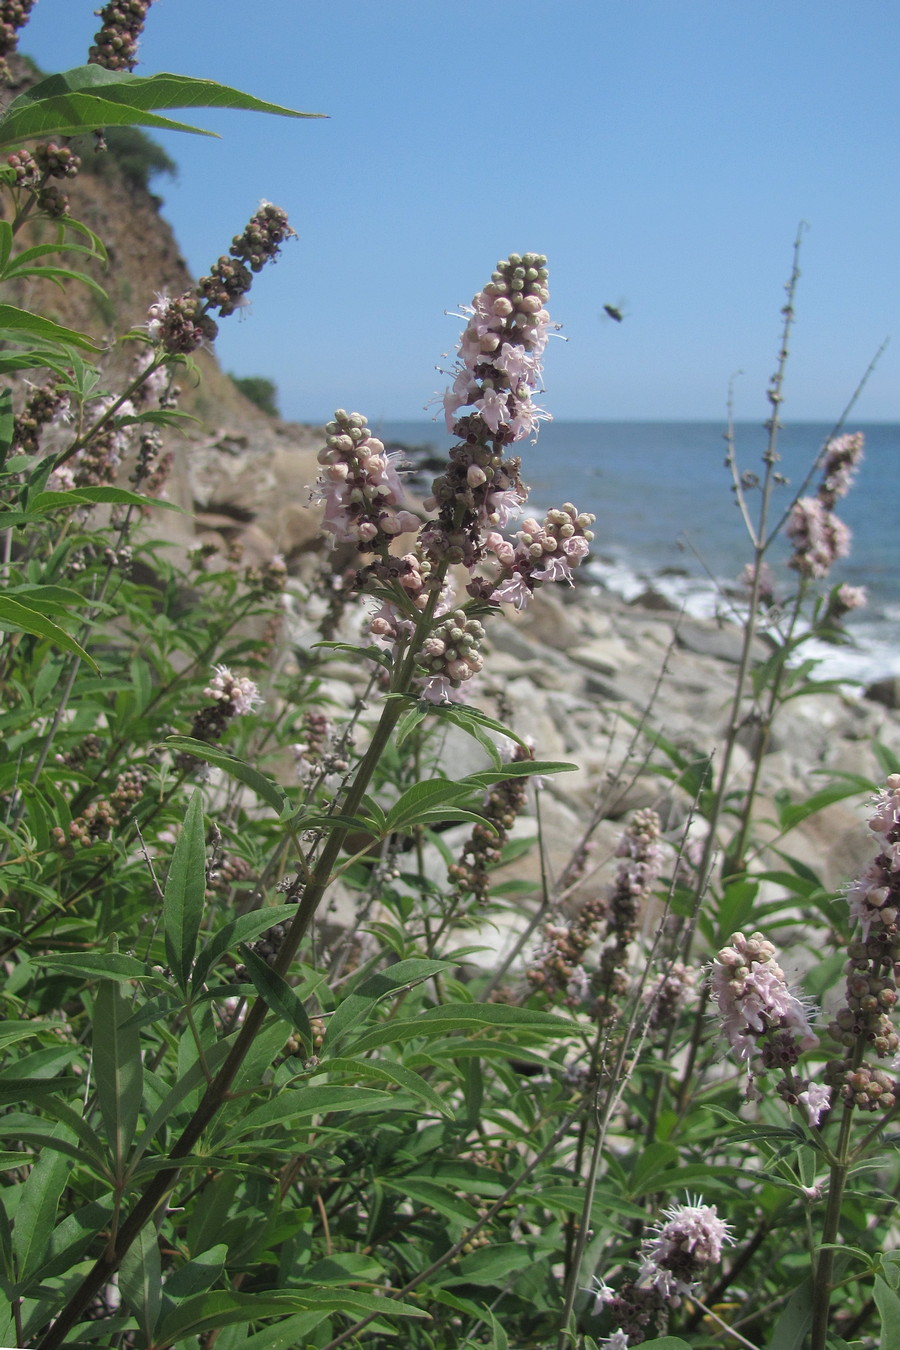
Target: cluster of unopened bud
[181, 324]
[451, 651]
[230, 277]
[97, 821]
[42, 406]
[53, 202]
[667, 993]
[873, 967]
[317, 729]
[521, 278]
[360, 486]
[869, 1001]
[115, 46]
[226, 873]
[88, 748]
[262, 237]
[271, 578]
[868, 1089]
[13, 16]
[24, 166]
[470, 874]
[558, 970]
[56, 161]
[225, 286]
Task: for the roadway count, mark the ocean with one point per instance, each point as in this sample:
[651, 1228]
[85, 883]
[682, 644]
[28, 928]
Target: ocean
[666, 515]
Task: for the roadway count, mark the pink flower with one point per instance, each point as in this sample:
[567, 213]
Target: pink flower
[686, 1239]
[753, 996]
[816, 1100]
[238, 690]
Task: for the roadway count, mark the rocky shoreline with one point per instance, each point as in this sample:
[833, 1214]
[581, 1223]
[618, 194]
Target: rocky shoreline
[573, 673]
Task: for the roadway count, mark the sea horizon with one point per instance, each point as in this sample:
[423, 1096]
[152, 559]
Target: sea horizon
[667, 518]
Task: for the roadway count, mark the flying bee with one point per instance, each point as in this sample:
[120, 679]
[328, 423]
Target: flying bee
[613, 312]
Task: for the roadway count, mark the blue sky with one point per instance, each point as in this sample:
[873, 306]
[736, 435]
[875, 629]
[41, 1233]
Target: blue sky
[660, 152]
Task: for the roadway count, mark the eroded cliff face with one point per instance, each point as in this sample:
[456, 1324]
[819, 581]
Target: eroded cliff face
[144, 259]
[237, 471]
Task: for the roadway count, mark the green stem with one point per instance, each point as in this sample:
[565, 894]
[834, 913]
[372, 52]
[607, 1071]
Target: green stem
[822, 1283]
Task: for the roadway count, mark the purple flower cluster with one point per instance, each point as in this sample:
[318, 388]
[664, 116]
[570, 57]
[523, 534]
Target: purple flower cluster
[499, 366]
[182, 324]
[478, 495]
[766, 1025]
[360, 487]
[674, 1255]
[819, 537]
[873, 969]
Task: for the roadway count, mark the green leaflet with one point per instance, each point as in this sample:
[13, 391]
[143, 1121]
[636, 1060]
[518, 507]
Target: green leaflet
[20, 325]
[279, 996]
[264, 787]
[118, 1069]
[185, 892]
[90, 96]
[15, 615]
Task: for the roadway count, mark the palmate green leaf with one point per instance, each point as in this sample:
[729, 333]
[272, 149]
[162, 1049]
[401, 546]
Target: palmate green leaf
[242, 929]
[61, 275]
[520, 768]
[17, 616]
[492, 1265]
[140, 1276]
[182, 1088]
[185, 892]
[279, 996]
[221, 1308]
[357, 1005]
[267, 790]
[418, 800]
[118, 1070]
[69, 1241]
[791, 814]
[20, 325]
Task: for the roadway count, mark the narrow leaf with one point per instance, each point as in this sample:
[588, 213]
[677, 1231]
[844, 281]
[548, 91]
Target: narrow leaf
[356, 1005]
[15, 615]
[279, 996]
[185, 892]
[888, 1304]
[36, 1212]
[20, 324]
[140, 1277]
[98, 965]
[235, 767]
[242, 929]
[118, 1070]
